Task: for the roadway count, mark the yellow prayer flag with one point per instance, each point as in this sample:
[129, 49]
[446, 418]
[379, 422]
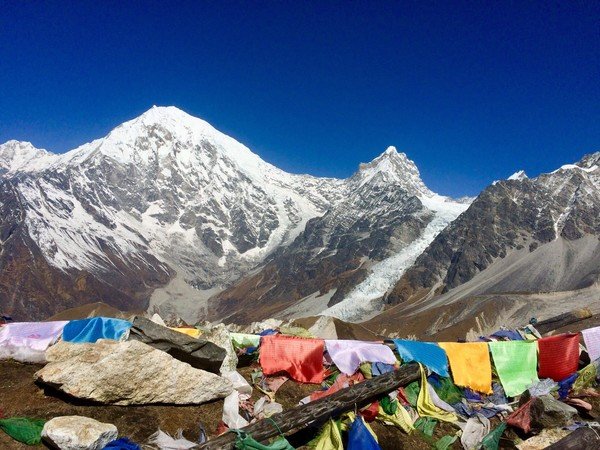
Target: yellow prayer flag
[470, 364]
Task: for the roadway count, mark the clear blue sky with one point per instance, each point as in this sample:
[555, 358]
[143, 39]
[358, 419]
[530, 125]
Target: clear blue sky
[472, 92]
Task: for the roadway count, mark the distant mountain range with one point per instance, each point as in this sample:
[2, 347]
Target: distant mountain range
[166, 213]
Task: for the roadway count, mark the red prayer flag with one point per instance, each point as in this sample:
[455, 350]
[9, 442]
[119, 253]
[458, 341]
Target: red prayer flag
[341, 382]
[521, 418]
[300, 358]
[370, 412]
[558, 356]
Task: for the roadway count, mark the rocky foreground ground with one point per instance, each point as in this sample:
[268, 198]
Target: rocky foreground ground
[20, 396]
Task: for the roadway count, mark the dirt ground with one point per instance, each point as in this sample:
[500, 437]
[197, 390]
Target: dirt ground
[20, 396]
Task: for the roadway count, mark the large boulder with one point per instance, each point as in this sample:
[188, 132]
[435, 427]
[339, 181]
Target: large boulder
[128, 373]
[78, 433]
[198, 353]
[547, 412]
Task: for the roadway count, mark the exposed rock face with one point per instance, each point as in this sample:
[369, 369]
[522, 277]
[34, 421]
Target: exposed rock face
[547, 412]
[521, 214]
[32, 287]
[128, 373]
[382, 213]
[78, 433]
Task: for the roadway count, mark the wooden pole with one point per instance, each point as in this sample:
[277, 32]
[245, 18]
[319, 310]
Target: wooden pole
[554, 323]
[334, 405]
[581, 438]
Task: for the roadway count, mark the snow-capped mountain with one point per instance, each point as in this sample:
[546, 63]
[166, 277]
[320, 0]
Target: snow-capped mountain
[345, 261]
[168, 213]
[165, 195]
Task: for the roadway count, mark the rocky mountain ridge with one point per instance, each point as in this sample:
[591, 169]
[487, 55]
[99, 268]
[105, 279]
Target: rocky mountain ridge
[508, 216]
[166, 211]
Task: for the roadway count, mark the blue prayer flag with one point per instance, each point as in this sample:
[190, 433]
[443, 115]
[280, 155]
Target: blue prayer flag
[429, 354]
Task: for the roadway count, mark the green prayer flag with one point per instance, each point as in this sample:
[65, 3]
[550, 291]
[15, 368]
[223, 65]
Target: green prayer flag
[412, 392]
[445, 442]
[448, 391]
[492, 440]
[426, 425]
[246, 442]
[388, 405]
[516, 363]
[22, 429]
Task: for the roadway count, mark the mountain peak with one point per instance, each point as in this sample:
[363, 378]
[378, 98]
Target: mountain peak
[589, 163]
[590, 160]
[520, 175]
[393, 167]
[15, 155]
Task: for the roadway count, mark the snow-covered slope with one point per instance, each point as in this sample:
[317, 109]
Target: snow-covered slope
[168, 185]
[16, 156]
[366, 299]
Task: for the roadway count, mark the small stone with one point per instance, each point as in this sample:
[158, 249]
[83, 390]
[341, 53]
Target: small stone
[78, 433]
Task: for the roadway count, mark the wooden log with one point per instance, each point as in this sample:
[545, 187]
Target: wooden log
[581, 438]
[554, 323]
[334, 405]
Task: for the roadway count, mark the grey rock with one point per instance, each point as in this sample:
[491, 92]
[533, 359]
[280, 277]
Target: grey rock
[547, 412]
[220, 336]
[128, 373]
[198, 353]
[78, 433]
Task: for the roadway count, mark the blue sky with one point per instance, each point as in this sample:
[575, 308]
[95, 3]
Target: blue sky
[470, 91]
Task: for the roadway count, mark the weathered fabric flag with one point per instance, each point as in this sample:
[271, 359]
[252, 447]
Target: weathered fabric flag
[34, 335]
[347, 355]
[360, 438]
[591, 337]
[90, 330]
[470, 364]
[300, 358]
[429, 354]
[426, 406]
[516, 364]
[558, 356]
